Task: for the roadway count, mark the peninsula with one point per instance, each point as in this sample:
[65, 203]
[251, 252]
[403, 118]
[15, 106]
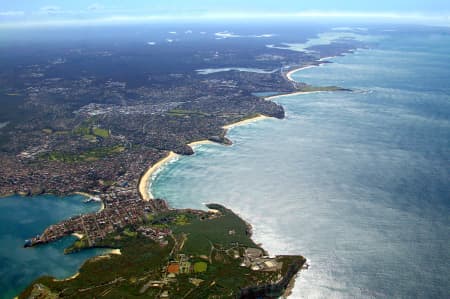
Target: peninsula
[105, 129]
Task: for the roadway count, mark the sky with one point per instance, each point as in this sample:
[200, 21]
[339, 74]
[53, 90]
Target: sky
[88, 12]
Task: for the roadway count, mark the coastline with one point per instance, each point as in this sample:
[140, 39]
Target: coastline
[291, 94]
[78, 236]
[195, 143]
[145, 179]
[112, 251]
[245, 121]
[321, 61]
[68, 278]
[95, 198]
[291, 72]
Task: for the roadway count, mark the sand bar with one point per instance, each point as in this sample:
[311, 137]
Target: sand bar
[144, 182]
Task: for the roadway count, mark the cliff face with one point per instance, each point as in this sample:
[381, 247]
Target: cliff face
[275, 290]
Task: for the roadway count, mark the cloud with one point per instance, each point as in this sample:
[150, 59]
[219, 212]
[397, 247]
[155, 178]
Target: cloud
[95, 6]
[12, 13]
[50, 9]
[90, 20]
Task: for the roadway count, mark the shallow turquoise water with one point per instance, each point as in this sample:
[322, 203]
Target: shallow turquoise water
[357, 182]
[24, 217]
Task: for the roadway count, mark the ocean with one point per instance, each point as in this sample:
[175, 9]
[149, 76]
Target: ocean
[22, 218]
[357, 182]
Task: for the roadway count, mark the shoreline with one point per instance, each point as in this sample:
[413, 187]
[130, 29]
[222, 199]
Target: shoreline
[291, 72]
[200, 142]
[145, 180]
[112, 251]
[78, 236]
[94, 198]
[68, 278]
[246, 121]
[321, 61]
[291, 94]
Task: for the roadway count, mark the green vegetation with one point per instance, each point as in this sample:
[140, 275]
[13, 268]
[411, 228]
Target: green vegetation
[77, 246]
[201, 236]
[250, 116]
[100, 132]
[90, 155]
[88, 129]
[181, 220]
[127, 232]
[181, 112]
[200, 267]
[204, 257]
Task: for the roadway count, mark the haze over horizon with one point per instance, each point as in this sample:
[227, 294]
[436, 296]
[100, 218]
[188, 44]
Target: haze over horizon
[88, 12]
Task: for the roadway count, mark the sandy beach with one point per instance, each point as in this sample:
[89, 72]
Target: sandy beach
[245, 121]
[68, 278]
[115, 251]
[192, 144]
[145, 181]
[290, 73]
[290, 94]
[146, 178]
[77, 235]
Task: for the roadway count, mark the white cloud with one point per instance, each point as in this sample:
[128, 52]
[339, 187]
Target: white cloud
[442, 20]
[50, 9]
[12, 13]
[95, 6]
[225, 34]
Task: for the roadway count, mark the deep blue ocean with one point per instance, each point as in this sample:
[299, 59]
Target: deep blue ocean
[357, 182]
[24, 217]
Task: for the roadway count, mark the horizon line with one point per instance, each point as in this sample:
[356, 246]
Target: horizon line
[438, 20]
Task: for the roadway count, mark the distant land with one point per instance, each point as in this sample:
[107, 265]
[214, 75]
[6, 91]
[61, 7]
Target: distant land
[93, 119]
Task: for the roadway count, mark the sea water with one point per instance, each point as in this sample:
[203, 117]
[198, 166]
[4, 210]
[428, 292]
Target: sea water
[357, 182]
[24, 217]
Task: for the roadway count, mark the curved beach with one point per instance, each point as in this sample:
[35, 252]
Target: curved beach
[245, 121]
[146, 178]
[145, 181]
